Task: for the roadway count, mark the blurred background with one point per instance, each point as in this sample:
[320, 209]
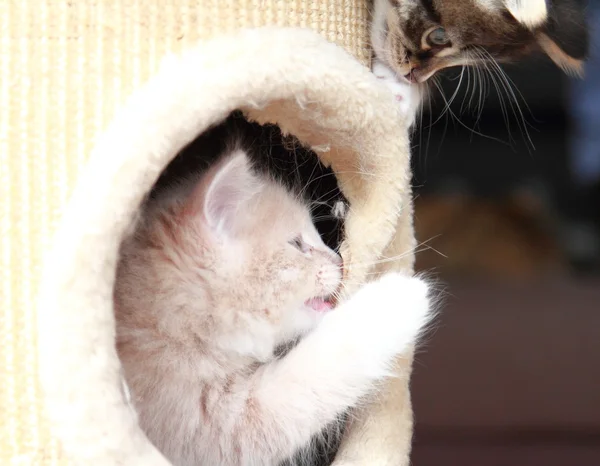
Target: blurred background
[508, 220]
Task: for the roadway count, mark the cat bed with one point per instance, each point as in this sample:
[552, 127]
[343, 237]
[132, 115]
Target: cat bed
[313, 90]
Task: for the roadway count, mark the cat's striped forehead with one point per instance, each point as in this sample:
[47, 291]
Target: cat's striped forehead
[469, 22]
[530, 13]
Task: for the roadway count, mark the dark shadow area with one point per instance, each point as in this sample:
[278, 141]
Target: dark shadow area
[510, 228]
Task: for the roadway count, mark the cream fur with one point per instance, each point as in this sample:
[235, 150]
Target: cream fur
[312, 89]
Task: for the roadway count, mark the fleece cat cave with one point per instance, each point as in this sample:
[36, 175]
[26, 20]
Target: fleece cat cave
[141, 87]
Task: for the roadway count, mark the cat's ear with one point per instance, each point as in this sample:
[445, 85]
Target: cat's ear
[564, 36]
[223, 190]
[530, 13]
[559, 27]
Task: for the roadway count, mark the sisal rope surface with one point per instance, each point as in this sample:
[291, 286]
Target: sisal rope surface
[64, 68]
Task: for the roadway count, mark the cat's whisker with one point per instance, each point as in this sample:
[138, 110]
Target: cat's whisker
[473, 58]
[513, 94]
[429, 94]
[303, 189]
[478, 88]
[448, 110]
[316, 203]
[360, 172]
[422, 246]
[328, 196]
[491, 67]
[482, 85]
[390, 259]
[320, 218]
[431, 248]
[470, 87]
[499, 93]
[448, 102]
[312, 179]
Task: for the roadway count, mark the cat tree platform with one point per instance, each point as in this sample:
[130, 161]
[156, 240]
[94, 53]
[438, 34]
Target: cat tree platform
[75, 174]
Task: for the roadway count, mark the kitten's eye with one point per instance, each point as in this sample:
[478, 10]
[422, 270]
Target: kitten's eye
[438, 37]
[299, 244]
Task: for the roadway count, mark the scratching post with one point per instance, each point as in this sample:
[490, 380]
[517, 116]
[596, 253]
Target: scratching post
[98, 98]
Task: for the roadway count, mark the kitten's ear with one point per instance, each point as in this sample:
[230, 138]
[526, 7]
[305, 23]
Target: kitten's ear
[223, 190]
[530, 13]
[559, 27]
[564, 36]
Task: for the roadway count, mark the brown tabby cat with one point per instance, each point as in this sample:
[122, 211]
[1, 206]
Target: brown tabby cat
[414, 39]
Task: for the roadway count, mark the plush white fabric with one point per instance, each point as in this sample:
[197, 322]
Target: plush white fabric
[312, 89]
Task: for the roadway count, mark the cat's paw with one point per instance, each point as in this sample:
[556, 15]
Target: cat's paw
[384, 319]
[396, 305]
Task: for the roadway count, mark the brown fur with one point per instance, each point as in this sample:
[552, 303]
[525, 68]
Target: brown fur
[478, 31]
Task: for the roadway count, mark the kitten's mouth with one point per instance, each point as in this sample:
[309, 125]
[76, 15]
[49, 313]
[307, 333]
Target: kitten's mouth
[320, 303]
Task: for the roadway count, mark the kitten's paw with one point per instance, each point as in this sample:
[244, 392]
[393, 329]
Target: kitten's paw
[384, 319]
[396, 305]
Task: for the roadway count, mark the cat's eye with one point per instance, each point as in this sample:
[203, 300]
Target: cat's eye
[438, 37]
[299, 244]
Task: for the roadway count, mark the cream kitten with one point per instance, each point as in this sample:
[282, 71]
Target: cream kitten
[220, 272]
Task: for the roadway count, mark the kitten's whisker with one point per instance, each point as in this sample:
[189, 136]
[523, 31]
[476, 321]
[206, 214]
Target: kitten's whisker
[500, 95]
[304, 188]
[473, 56]
[332, 193]
[513, 94]
[422, 246]
[392, 259]
[431, 248]
[314, 204]
[449, 101]
[477, 86]
[455, 118]
[482, 83]
[469, 87]
[313, 179]
[320, 218]
[435, 80]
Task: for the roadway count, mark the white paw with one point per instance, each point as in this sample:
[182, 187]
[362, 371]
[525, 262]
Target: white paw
[384, 318]
[396, 305]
